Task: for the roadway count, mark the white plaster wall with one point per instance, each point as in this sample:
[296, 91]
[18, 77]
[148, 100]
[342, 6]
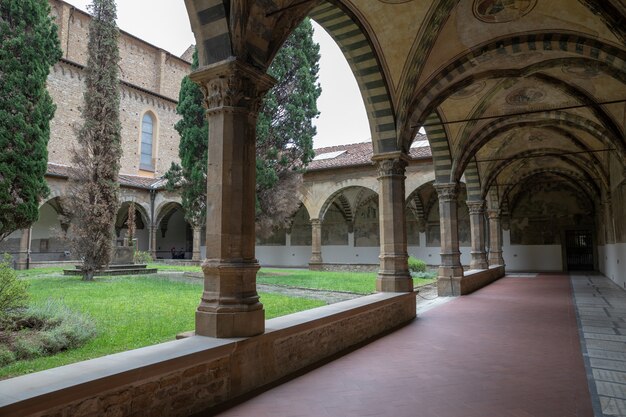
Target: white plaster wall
[298, 256]
[294, 256]
[530, 257]
[612, 262]
[533, 257]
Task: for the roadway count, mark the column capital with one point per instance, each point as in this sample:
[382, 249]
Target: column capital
[391, 165]
[476, 207]
[493, 213]
[447, 191]
[315, 222]
[232, 83]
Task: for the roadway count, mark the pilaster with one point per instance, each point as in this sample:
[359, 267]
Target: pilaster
[477, 229]
[450, 271]
[393, 275]
[230, 304]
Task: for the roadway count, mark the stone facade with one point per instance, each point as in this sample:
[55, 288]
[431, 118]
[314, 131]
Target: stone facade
[150, 78]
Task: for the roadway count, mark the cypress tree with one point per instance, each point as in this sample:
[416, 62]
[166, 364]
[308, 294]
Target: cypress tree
[96, 161]
[285, 129]
[30, 46]
[193, 151]
[284, 135]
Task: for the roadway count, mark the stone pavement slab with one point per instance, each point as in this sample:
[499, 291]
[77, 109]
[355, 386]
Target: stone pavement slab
[601, 306]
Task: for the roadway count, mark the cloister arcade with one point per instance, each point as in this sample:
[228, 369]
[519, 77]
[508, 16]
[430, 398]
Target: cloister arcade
[522, 101]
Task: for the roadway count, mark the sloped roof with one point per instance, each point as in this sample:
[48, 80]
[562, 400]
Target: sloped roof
[134, 181]
[357, 154]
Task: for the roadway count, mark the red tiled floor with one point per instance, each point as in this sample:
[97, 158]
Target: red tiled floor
[508, 350]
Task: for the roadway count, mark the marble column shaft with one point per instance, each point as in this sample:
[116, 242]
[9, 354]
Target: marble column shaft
[393, 275]
[450, 271]
[22, 258]
[153, 242]
[495, 238]
[230, 304]
[197, 239]
[477, 229]
[316, 260]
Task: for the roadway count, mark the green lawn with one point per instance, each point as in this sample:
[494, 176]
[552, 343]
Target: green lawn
[129, 312]
[355, 282]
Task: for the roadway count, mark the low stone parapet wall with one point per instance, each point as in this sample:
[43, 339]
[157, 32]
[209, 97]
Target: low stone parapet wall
[476, 279]
[191, 375]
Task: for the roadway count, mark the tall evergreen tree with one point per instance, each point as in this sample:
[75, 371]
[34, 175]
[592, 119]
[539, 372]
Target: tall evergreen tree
[193, 151]
[96, 162]
[284, 135]
[29, 47]
[285, 129]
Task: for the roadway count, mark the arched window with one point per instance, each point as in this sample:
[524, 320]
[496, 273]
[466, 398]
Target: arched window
[147, 141]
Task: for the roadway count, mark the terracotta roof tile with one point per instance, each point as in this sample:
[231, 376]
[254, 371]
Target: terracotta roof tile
[356, 154]
[135, 181]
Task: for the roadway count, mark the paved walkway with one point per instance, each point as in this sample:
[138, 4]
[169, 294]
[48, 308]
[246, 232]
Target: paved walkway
[511, 349]
[601, 308]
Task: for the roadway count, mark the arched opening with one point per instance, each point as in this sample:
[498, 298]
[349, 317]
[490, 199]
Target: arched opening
[142, 234]
[551, 225]
[290, 246]
[48, 235]
[174, 236]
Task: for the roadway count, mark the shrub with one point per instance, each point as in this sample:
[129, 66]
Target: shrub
[6, 356]
[13, 291]
[45, 330]
[416, 265]
[142, 257]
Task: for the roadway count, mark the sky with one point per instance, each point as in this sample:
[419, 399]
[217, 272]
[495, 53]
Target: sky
[342, 119]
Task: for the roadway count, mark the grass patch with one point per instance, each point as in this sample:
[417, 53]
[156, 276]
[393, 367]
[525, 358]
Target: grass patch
[130, 312]
[354, 282]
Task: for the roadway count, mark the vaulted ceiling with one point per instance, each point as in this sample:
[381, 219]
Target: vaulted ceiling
[507, 90]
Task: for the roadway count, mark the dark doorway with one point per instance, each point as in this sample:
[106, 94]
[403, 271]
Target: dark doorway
[579, 250]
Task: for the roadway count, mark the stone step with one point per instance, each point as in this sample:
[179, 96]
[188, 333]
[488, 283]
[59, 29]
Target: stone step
[110, 272]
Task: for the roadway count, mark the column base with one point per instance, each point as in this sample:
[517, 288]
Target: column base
[316, 266]
[394, 283]
[21, 266]
[449, 281]
[479, 261]
[227, 325]
[496, 259]
[449, 287]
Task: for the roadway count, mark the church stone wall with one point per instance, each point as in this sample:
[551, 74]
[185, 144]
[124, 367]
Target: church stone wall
[151, 79]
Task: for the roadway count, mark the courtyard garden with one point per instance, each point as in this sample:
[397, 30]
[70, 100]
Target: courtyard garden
[114, 314]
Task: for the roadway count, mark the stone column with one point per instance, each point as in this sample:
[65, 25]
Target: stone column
[197, 238]
[495, 238]
[230, 304]
[22, 257]
[316, 261]
[477, 228]
[153, 240]
[393, 275]
[450, 271]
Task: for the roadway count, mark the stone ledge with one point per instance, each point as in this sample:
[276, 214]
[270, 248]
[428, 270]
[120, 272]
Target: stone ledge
[188, 376]
[478, 278]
